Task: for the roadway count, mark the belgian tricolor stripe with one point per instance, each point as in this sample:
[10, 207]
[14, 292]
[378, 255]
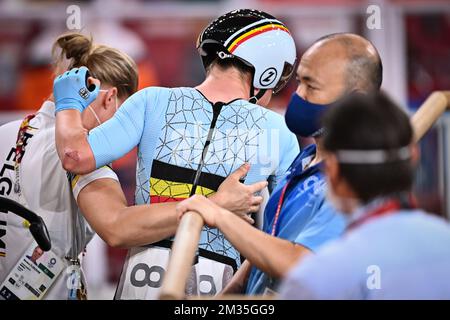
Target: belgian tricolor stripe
[173, 183]
[167, 191]
[241, 38]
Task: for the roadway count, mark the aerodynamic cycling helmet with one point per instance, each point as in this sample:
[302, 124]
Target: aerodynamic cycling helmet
[258, 40]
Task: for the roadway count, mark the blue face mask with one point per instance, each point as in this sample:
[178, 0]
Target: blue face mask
[303, 117]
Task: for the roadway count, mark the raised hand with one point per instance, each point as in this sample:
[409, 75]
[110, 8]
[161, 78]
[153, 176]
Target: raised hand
[75, 89]
[237, 197]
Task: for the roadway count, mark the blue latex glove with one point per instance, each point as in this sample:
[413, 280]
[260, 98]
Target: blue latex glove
[72, 91]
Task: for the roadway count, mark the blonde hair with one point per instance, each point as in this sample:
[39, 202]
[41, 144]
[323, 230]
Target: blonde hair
[106, 64]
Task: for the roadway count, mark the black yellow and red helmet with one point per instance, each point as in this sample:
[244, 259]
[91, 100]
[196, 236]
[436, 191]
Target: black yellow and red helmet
[256, 38]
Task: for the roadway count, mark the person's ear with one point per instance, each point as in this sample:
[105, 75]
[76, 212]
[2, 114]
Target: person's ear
[356, 91]
[332, 170]
[110, 98]
[265, 99]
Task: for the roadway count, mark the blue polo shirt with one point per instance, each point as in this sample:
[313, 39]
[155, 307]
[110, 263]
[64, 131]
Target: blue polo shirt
[305, 218]
[405, 255]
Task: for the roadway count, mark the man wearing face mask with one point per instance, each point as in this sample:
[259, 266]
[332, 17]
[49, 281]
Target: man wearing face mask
[297, 219]
[391, 249]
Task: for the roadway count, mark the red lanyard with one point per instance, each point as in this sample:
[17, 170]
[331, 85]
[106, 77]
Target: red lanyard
[280, 204]
[387, 208]
[277, 213]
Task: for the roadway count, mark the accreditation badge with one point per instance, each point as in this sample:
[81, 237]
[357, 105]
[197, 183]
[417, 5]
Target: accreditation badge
[32, 276]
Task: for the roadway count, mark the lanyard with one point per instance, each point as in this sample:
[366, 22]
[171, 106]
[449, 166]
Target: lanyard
[20, 149]
[277, 213]
[281, 200]
[77, 290]
[387, 208]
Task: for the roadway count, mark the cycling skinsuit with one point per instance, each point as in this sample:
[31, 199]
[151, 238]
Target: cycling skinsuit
[179, 133]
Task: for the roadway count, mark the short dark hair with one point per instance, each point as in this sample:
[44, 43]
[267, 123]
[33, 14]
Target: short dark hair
[224, 64]
[367, 122]
[364, 71]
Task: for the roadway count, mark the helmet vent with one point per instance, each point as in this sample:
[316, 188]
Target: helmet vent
[223, 55]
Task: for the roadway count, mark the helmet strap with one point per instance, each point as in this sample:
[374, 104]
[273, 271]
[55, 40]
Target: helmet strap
[255, 98]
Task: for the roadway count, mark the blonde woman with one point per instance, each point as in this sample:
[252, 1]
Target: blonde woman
[33, 176]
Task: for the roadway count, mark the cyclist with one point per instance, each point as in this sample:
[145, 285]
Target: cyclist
[191, 139]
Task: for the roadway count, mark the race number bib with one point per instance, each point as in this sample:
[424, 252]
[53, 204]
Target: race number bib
[145, 268]
[211, 277]
[32, 276]
[143, 274]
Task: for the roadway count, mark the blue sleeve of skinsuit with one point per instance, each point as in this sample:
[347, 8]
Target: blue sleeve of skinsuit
[327, 224]
[289, 150]
[120, 134]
